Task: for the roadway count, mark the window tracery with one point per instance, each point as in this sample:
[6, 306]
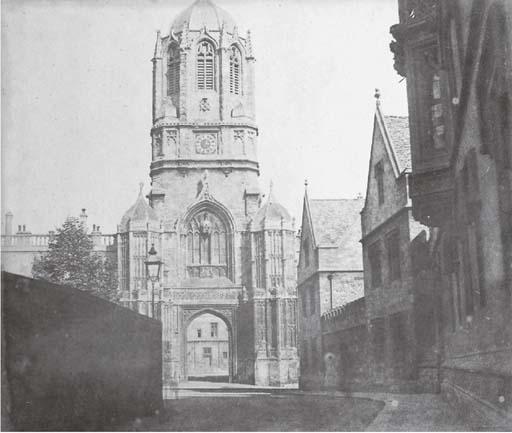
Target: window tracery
[235, 66]
[173, 71]
[205, 67]
[207, 246]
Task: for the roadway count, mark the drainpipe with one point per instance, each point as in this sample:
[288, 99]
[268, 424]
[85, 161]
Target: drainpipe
[329, 277]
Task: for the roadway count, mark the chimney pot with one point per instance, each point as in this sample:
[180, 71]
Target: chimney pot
[8, 223]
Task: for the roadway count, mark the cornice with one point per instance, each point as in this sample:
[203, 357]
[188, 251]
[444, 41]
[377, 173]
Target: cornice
[199, 125]
[224, 164]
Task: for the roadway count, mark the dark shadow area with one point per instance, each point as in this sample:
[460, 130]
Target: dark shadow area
[262, 413]
[219, 379]
[73, 361]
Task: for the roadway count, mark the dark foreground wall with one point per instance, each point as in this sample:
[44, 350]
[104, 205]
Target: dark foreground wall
[72, 361]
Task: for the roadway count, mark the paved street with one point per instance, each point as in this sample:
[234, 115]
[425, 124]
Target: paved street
[263, 413]
[213, 407]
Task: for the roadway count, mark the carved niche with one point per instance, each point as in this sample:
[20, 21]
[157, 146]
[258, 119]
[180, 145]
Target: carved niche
[171, 142]
[239, 140]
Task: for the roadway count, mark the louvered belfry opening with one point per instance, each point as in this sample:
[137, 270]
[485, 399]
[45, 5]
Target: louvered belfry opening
[235, 60]
[205, 66]
[173, 71]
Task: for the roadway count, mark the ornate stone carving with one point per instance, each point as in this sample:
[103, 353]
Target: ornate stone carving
[225, 312]
[204, 105]
[171, 141]
[229, 296]
[157, 143]
[239, 140]
[251, 138]
[206, 143]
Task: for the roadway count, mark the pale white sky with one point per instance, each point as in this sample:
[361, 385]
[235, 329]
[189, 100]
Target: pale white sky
[76, 99]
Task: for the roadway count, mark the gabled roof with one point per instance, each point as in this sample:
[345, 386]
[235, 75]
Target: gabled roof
[395, 134]
[397, 128]
[334, 220]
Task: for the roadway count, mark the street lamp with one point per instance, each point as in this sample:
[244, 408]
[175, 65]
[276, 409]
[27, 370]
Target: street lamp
[153, 266]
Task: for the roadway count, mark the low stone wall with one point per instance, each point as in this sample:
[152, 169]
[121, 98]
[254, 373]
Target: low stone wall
[72, 361]
[345, 346]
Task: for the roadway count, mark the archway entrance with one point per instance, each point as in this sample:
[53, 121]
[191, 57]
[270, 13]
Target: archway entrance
[208, 348]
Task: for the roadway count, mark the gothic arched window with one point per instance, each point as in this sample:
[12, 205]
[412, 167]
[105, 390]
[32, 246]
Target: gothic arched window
[173, 71]
[205, 66]
[207, 246]
[235, 70]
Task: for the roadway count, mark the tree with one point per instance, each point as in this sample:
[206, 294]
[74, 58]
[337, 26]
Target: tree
[71, 260]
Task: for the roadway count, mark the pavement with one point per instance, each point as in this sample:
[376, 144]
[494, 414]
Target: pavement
[401, 412]
[412, 412]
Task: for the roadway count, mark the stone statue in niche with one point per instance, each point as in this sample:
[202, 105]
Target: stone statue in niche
[203, 188]
[206, 225]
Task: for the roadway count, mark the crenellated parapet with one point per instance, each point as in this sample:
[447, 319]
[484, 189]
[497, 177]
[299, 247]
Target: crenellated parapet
[345, 316]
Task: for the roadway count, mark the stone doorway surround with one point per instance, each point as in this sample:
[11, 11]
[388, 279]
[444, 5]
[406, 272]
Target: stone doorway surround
[228, 314]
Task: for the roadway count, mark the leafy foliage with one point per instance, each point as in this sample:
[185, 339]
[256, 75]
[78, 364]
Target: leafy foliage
[71, 260]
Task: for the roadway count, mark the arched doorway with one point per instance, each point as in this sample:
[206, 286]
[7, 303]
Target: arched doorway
[208, 348]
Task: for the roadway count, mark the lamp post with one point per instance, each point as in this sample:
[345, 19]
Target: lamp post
[153, 266]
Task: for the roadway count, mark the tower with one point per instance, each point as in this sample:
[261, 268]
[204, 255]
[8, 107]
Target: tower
[223, 253]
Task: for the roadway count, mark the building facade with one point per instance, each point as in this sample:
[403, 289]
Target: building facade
[21, 247]
[330, 275]
[388, 229]
[457, 59]
[208, 348]
[223, 252]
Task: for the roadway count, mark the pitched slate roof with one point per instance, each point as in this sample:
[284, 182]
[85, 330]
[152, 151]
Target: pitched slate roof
[334, 220]
[398, 132]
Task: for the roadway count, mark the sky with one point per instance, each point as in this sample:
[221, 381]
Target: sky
[76, 99]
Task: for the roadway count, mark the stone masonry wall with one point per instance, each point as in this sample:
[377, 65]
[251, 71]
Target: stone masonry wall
[72, 361]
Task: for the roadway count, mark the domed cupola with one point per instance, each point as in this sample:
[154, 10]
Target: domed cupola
[271, 215]
[140, 214]
[201, 14]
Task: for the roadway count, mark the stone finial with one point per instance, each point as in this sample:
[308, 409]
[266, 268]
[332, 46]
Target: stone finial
[306, 184]
[184, 37]
[141, 187]
[249, 44]
[377, 96]
[158, 46]
[270, 192]
[83, 217]
[223, 36]
[8, 223]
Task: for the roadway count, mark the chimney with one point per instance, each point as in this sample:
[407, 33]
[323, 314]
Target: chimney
[83, 218]
[8, 223]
